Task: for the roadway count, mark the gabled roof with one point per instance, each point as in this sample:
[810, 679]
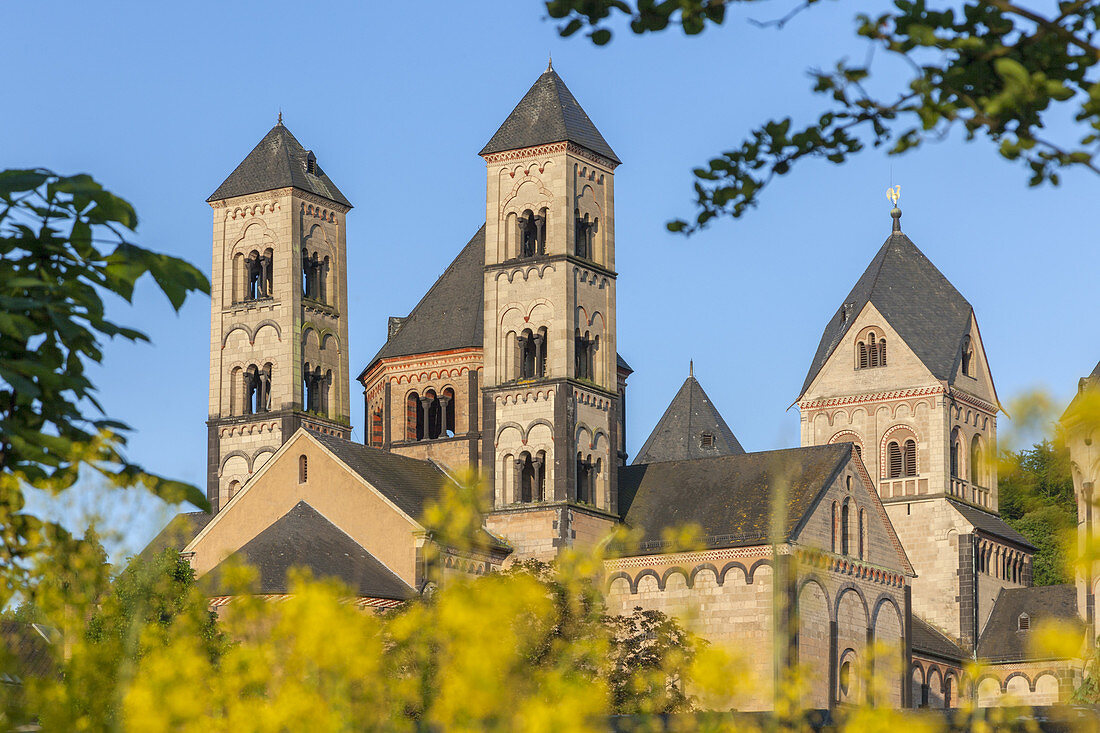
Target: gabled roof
[930, 641]
[548, 113]
[914, 297]
[679, 433]
[728, 497]
[1084, 384]
[279, 161]
[24, 652]
[179, 531]
[1002, 641]
[449, 316]
[991, 524]
[303, 538]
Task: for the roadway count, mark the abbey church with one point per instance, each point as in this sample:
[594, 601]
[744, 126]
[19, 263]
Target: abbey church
[509, 365]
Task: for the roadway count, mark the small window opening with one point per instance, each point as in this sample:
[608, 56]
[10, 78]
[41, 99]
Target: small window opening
[844, 519]
[532, 233]
[303, 469]
[706, 440]
[967, 357]
[311, 163]
[1024, 622]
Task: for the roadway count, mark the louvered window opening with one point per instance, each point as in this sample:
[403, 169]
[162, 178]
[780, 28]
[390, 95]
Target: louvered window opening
[1024, 622]
[707, 440]
[901, 459]
[872, 352]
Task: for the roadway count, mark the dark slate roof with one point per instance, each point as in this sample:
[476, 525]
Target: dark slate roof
[410, 483]
[678, 435]
[451, 313]
[548, 113]
[620, 363]
[991, 524]
[729, 497]
[179, 531]
[279, 161]
[1083, 384]
[303, 538]
[929, 640]
[1001, 641]
[915, 299]
[24, 652]
[449, 316]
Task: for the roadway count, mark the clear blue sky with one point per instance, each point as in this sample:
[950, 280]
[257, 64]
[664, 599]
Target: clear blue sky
[161, 101]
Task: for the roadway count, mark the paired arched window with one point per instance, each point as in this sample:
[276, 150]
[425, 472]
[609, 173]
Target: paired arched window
[314, 270]
[901, 458]
[258, 276]
[430, 416]
[871, 351]
[315, 388]
[584, 234]
[584, 355]
[255, 389]
[531, 356]
[588, 471]
[531, 475]
[532, 233]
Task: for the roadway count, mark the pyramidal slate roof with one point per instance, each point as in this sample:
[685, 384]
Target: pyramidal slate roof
[279, 161]
[449, 316]
[679, 433]
[915, 299]
[304, 538]
[548, 113]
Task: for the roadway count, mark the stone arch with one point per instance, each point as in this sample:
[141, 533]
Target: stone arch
[1014, 675]
[987, 690]
[916, 685]
[755, 566]
[647, 573]
[950, 690]
[814, 615]
[1046, 689]
[700, 568]
[267, 323]
[934, 683]
[731, 566]
[510, 426]
[261, 456]
[1018, 687]
[620, 575]
[888, 663]
[235, 454]
[673, 571]
[236, 327]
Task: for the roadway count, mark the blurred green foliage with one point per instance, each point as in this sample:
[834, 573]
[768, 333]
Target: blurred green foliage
[990, 68]
[1037, 500]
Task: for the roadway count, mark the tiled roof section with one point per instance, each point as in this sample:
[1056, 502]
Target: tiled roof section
[24, 652]
[449, 316]
[929, 640]
[1002, 640]
[991, 524]
[548, 113]
[915, 299]
[279, 161]
[179, 531]
[728, 497]
[303, 538]
[410, 483]
[620, 363]
[679, 433]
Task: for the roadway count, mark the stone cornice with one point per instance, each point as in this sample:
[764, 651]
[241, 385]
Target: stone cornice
[541, 259]
[897, 394]
[966, 397]
[550, 149]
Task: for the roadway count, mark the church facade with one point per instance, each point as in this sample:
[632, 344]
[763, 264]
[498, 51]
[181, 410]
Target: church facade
[880, 529]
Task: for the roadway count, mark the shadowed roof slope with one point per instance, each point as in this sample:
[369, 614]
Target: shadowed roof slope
[679, 432]
[449, 316]
[929, 640]
[1002, 641]
[279, 161]
[1083, 384]
[729, 497]
[548, 113]
[303, 538]
[179, 531]
[990, 523]
[915, 299]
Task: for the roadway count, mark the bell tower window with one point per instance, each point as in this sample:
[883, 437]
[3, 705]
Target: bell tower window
[532, 233]
[532, 476]
[870, 351]
[258, 275]
[531, 360]
[315, 385]
[584, 234]
[584, 355]
[257, 389]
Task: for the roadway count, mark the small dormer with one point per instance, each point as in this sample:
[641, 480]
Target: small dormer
[1023, 622]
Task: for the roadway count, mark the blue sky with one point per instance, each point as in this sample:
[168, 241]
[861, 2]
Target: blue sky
[161, 101]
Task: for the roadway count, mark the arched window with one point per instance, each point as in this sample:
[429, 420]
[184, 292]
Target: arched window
[313, 384]
[303, 469]
[955, 452]
[584, 355]
[864, 357]
[882, 352]
[414, 424]
[532, 233]
[377, 428]
[584, 476]
[257, 389]
[447, 408]
[976, 458]
[909, 451]
[584, 234]
[894, 464]
[872, 350]
[258, 275]
[532, 354]
[234, 487]
[844, 529]
[835, 520]
[967, 357]
[1023, 622]
[862, 533]
[532, 473]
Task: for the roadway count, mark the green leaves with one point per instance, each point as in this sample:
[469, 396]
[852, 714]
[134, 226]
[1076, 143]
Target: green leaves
[990, 66]
[53, 275]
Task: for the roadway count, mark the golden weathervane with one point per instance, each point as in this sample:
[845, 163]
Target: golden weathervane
[894, 193]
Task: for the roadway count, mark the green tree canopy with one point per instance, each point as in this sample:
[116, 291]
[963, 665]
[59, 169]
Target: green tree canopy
[993, 68]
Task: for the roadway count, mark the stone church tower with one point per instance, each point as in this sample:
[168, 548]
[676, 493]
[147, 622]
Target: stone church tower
[901, 373]
[551, 392]
[278, 318]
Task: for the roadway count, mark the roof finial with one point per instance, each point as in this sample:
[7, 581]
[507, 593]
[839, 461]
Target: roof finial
[280, 116]
[691, 368]
[549, 62]
[894, 193]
